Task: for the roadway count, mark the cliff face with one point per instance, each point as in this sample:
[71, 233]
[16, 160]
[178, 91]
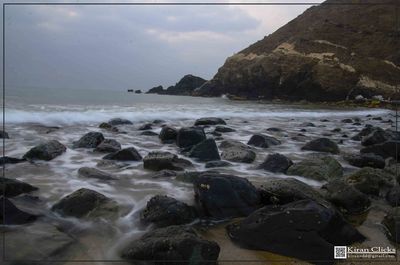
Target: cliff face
[331, 52]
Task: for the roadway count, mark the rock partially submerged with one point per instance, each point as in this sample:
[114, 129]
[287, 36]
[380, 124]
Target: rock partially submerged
[4, 135]
[86, 203]
[235, 151]
[209, 121]
[172, 245]
[264, 141]
[108, 146]
[126, 154]
[11, 160]
[165, 160]
[36, 243]
[281, 191]
[13, 187]
[223, 129]
[304, 229]
[119, 121]
[204, 151]
[168, 135]
[190, 136]
[165, 211]
[11, 215]
[89, 140]
[225, 196]
[365, 160]
[385, 150]
[321, 145]
[318, 168]
[46, 151]
[276, 163]
[217, 163]
[90, 172]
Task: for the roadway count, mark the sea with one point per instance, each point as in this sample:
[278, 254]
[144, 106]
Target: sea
[39, 114]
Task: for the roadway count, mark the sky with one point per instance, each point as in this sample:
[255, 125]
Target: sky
[116, 47]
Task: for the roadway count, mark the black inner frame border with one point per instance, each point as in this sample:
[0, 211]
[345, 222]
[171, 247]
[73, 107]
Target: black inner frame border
[393, 3]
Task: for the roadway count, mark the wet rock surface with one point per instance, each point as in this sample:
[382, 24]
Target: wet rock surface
[204, 151]
[276, 163]
[126, 154]
[225, 196]
[318, 168]
[190, 136]
[86, 203]
[322, 145]
[13, 187]
[46, 151]
[182, 244]
[166, 211]
[303, 229]
[165, 160]
[89, 172]
[89, 140]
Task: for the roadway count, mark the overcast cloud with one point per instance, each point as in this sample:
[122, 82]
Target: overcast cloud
[120, 47]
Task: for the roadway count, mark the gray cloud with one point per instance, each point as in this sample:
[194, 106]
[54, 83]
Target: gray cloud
[119, 47]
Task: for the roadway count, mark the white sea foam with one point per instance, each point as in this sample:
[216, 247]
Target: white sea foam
[92, 116]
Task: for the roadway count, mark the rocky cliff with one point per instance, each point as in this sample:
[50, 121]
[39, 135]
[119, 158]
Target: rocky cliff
[331, 52]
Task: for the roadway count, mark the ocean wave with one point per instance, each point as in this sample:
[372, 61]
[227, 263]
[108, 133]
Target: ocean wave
[84, 116]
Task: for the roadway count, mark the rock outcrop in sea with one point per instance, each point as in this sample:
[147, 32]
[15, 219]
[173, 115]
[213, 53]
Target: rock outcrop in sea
[184, 87]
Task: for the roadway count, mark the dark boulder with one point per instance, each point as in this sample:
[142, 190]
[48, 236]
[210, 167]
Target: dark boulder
[281, 191]
[307, 124]
[393, 196]
[147, 126]
[209, 121]
[165, 160]
[46, 151]
[365, 160]
[346, 198]
[165, 211]
[190, 136]
[364, 132]
[168, 135]
[371, 181]
[385, 150]
[4, 135]
[235, 151]
[11, 215]
[347, 121]
[126, 154]
[89, 140]
[90, 172]
[224, 129]
[392, 224]
[158, 121]
[172, 245]
[276, 163]
[14, 187]
[108, 146]
[225, 196]
[378, 136]
[86, 203]
[217, 163]
[261, 140]
[274, 129]
[318, 168]
[304, 229]
[321, 145]
[204, 151]
[11, 160]
[191, 176]
[119, 121]
[105, 125]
